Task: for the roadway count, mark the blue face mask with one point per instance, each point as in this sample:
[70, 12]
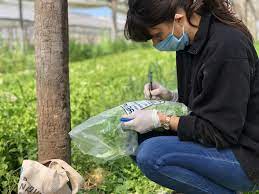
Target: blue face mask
[171, 43]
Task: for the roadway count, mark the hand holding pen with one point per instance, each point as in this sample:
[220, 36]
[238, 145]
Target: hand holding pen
[157, 92]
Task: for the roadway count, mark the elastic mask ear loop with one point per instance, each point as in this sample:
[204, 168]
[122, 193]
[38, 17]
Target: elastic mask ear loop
[183, 31]
[173, 29]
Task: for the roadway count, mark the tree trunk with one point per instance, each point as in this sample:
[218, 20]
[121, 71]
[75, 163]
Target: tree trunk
[114, 19]
[52, 79]
[21, 25]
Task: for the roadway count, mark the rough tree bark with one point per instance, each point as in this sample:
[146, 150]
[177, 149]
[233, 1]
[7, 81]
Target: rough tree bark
[52, 79]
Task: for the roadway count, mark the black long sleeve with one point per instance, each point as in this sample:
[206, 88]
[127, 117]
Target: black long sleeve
[218, 79]
[219, 110]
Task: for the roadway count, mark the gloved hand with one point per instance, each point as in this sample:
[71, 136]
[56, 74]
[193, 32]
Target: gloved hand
[143, 121]
[159, 92]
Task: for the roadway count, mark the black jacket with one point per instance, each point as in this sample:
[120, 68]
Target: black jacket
[218, 79]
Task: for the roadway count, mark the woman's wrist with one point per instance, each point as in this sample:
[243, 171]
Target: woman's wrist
[162, 117]
[173, 122]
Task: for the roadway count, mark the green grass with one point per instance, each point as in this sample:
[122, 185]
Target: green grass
[257, 46]
[96, 85]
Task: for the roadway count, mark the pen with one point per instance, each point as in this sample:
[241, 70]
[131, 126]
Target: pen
[150, 77]
[125, 120]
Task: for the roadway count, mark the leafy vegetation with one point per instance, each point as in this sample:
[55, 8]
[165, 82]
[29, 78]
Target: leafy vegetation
[97, 84]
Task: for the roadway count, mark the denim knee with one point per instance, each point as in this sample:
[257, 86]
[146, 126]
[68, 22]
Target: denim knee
[145, 156]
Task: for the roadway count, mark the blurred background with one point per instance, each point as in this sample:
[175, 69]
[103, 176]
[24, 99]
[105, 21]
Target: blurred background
[89, 20]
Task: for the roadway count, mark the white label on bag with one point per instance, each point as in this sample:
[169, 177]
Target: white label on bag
[131, 107]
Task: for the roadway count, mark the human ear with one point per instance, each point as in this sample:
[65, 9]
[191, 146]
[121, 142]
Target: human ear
[178, 18]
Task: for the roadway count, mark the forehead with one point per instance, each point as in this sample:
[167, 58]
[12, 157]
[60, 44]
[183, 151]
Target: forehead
[158, 28]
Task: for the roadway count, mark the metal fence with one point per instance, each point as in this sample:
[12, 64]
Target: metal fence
[10, 31]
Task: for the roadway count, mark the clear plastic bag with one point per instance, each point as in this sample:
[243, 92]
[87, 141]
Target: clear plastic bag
[103, 137]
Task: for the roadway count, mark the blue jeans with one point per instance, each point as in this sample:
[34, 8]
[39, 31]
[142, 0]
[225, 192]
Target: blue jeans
[189, 167]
